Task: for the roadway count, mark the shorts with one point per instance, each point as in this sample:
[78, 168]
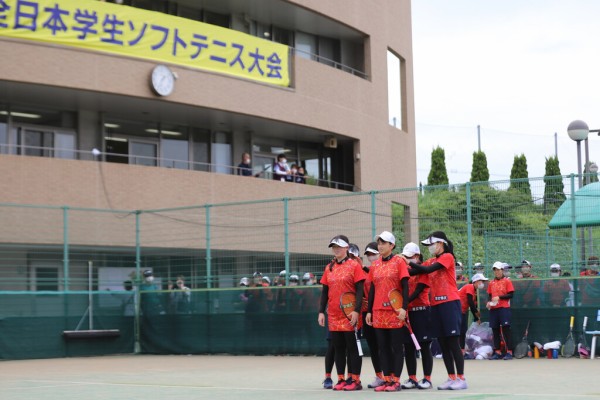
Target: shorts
[500, 317]
[420, 321]
[446, 318]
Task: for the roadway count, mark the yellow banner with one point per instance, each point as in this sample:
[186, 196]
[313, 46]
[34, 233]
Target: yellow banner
[129, 31]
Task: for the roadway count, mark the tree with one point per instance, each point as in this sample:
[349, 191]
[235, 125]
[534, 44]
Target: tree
[438, 174]
[586, 170]
[479, 171]
[519, 171]
[554, 188]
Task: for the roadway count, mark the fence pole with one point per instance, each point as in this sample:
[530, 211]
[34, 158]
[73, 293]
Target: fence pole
[574, 245]
[138, 263]
[66, 248]
[286, 239]
[469, 230]
[208, 255]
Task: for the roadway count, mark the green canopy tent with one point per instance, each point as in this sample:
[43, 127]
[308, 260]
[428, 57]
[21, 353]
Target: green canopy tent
[587, 209]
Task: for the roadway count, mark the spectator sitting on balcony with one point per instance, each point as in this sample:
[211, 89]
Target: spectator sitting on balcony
[245, 168]
[556, 291]
[281, 170]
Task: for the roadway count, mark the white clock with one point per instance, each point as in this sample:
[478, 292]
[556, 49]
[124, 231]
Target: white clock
[163, 80]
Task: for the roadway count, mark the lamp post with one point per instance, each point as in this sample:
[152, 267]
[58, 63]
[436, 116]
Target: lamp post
[578, 131]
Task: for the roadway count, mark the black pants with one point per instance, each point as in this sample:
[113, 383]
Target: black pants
[411, 358]
[369, 335]
[391, 350]
[346, 352]
[452, 355]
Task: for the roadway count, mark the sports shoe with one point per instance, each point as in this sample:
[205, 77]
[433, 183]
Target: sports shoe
[383, 387]
[468, 356]
[341, 383]
[328, 383]
[424, 384]
[496, 356]
[393, 387]
[354, 385]
[508, 356]
[459, 384]
[446, 385]
[376, 383]
[409, 384]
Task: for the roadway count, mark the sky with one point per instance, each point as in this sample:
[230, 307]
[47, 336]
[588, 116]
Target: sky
[521, 70]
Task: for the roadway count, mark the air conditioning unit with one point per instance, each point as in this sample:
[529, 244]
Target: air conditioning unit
[330, 143]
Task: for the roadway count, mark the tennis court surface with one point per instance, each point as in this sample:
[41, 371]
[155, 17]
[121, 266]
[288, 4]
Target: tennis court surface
[275, 377]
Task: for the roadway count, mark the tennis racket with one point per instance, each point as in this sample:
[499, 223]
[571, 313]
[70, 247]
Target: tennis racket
[568, 348]
[348, 304]
[523, 348]
[584, 350]
[395, 297]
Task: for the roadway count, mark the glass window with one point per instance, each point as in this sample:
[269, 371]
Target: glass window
[174, 153]
[200, 149]
[329, 51]
[221, 153]
[306, 45]
[283, 36]
[35, 142]
[46, 279]
[394, 90]
[142, 153]
[3, 137]
[64, 145]
[216, 19]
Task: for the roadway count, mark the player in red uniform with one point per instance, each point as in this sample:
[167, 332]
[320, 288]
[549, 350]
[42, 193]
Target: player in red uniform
[387, 273]
[419, 309]
[445, 306]
[368, 332]
[340, 276]
[500, 291]
[468, 300]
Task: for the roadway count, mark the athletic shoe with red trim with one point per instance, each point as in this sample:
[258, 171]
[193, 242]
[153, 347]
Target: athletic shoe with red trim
[394, 387]
[354, 385]
[382, 387]
[341, 383]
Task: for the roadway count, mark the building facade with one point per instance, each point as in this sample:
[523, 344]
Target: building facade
[126, 128]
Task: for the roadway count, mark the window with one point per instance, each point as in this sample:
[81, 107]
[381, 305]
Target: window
[221, 153]
[394, 90]
[46, 278]
[143, 153]
[306, 45]
[216, 19]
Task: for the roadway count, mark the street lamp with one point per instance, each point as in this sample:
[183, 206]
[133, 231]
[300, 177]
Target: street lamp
[578, 131]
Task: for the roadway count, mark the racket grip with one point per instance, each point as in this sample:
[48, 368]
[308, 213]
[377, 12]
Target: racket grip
[415, 341]
[359, 346]
[584, 322]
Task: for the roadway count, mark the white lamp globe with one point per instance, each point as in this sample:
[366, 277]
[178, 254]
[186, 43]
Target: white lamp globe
[578, 130]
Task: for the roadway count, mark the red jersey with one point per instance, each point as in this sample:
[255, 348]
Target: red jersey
[341, 279]
[443, 281]
[500, 287]
[423, 299]
[463, 292]
[386, 275]
[367, 288]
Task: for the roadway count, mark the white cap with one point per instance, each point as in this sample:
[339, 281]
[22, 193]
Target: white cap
[478, 266]
[459, 264]
[282, 273]
[244, 281]
[266, 279]
[386, 237]
[410, 249]
[555, 266]
[498, 265]
[431, 240]
[478, 277]
[294, 278]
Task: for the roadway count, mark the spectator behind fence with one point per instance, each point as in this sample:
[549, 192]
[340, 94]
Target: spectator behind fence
[245, 168]
[180, 297]
[592, 267]
[556, 291]
[527, 291]
[151, 303]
